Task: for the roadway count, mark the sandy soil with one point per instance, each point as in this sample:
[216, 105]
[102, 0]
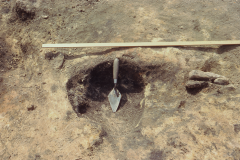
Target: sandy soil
[53, 102]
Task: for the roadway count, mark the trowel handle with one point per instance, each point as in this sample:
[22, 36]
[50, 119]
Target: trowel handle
[115, 69]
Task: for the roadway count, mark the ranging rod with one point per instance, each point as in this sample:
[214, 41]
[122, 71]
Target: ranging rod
[141, 44]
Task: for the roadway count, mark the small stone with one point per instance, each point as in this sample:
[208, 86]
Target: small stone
[227, 88]
[221, 81]
[196, 84]
[31, 108]
[200, 75]
[230, 87]
[45, 16]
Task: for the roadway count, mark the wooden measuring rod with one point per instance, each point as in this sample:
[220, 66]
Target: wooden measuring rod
[141, 44]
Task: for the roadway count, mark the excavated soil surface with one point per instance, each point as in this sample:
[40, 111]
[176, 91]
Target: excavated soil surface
[53, 101]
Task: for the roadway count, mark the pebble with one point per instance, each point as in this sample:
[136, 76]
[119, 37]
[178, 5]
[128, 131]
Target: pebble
[31, 108]
[45, 16]
[197, 74]
[221, 81]
[227, 88]
[196, 84]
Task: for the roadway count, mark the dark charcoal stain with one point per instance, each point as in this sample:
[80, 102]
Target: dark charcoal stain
[31, 108]
[157, 155]
[82, 107]
[98, 82]
[195, 91]
[101, 81]
[22, 13]
[94, 84]
[69, 84]
[51, 55]
[237, 128]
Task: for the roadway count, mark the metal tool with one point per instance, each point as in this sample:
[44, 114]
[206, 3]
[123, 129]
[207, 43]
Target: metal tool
[114, 96]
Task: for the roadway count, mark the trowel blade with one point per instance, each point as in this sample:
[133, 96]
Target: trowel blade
[114, 99]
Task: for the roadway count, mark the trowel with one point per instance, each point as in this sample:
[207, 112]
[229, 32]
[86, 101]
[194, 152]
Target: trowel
[114, 96]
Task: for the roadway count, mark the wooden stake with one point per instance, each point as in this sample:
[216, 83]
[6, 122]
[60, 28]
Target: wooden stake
[141, 44]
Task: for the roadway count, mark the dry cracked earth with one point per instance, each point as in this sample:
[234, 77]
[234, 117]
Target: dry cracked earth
[53, 101]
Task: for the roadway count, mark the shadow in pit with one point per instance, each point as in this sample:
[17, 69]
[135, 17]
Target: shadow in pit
[99, 82]
[96, 83]
[82, 108]
[89, 89]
